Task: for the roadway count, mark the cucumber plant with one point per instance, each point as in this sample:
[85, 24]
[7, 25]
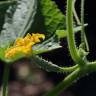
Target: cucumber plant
[21, 16]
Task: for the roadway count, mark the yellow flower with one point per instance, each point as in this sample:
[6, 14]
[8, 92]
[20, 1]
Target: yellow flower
[36, 37]
[23, 45]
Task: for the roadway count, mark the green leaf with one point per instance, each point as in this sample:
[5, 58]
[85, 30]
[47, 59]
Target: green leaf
[18, 20]
[53, 17]
[63, 33]
[46, 46]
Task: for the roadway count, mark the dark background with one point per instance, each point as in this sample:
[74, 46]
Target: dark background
[86, 86]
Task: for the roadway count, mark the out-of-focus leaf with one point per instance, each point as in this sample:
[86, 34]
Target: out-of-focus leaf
[6, 4]
[53, 17]
[18, 20]
[3, 7]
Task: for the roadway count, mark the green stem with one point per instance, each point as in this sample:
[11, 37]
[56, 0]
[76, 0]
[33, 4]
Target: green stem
[70, 35]
[65, 83]
[82, 21]
[68, 69]
[74, 54]
[5, 80]
[75, 14]
[91, 66]
[78, 73]
[83, 35]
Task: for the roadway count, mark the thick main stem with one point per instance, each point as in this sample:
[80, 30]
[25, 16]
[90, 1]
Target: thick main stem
[5, 80]
[70, 35]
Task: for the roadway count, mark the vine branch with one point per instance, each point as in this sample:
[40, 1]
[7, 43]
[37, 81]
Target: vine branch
[83, 35]
[75, 13]
[70, 35]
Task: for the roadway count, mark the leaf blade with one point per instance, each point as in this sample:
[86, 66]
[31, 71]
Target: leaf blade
[53, 18]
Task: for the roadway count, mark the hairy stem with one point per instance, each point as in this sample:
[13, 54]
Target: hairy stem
[69, 69]
[5, 80]
[70, 35]
[50, 67]
[83, 35]
[75, 14]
